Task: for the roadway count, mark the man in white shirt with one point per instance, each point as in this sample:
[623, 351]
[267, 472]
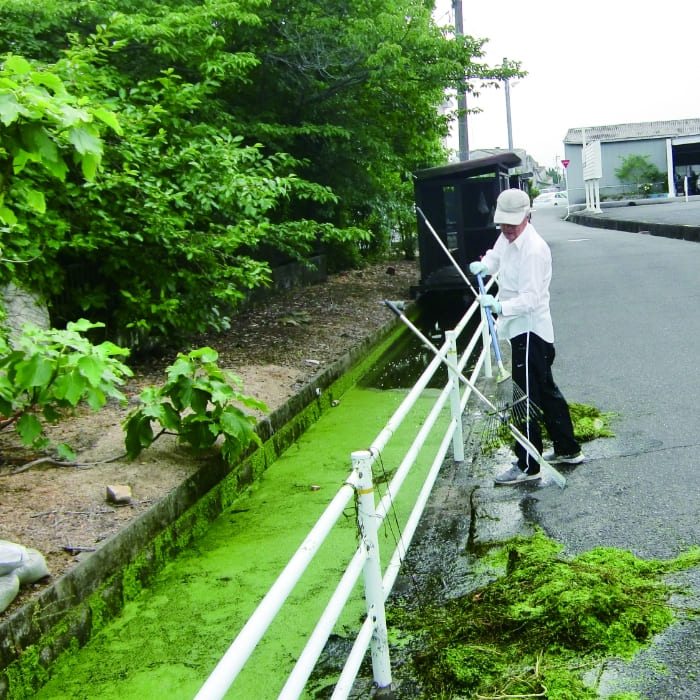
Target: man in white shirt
[524, 262]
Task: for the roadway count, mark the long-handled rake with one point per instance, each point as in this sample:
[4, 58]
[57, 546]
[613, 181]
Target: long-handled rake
[503, 416]
[446, 250]
[510, 397]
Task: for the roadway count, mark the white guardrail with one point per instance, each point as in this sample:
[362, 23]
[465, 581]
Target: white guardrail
[366, 560]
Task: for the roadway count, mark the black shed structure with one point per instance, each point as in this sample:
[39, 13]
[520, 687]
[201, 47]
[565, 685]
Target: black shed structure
[459, 201]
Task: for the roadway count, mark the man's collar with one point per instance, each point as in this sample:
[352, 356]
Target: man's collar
[520, 240]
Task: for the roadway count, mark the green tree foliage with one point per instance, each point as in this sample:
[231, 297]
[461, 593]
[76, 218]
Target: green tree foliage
[42, 123]
[637, 170]
[246, 134]
[555, 175]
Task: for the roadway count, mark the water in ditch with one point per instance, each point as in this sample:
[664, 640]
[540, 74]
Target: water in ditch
[170, 638]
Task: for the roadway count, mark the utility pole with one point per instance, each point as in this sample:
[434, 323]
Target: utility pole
[462, 126]
[508, 120]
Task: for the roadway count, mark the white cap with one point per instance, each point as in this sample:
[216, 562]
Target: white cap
[512, 206]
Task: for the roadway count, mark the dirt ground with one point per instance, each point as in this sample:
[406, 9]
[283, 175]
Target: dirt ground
[274, 348]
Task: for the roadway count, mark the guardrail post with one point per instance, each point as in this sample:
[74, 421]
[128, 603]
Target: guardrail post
[455, 398]
[367, 521]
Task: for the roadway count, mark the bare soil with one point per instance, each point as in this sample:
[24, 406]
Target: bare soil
[274, 348]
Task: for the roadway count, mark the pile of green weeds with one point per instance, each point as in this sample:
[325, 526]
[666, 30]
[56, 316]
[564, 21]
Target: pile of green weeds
[589, 423]
[536, 629]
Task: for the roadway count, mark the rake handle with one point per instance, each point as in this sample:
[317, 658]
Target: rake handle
[492, 329]
[436, 352]
[446, 250]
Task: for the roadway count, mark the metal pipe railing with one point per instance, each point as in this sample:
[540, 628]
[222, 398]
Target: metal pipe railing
[313, 650]
[366, 559]
[368, 524]
[242, 647]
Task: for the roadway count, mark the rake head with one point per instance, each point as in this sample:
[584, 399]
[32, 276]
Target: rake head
[517, 410]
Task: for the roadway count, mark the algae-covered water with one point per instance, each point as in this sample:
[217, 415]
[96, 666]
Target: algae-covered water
[170, 638]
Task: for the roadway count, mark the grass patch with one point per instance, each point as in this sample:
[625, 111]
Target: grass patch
[536, 629]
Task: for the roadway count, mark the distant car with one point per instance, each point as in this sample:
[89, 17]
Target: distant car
[551, 199]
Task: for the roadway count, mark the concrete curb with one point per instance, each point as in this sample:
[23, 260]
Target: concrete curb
[680, 231]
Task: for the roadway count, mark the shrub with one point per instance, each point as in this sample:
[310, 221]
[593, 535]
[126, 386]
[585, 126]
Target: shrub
[49, 372]
[198, 404]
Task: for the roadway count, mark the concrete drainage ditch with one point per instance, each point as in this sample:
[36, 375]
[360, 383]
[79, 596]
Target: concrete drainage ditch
[65, 615]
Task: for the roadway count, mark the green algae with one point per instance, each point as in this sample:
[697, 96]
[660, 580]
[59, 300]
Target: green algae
[22, 676]
[536, 629]
[169, 637]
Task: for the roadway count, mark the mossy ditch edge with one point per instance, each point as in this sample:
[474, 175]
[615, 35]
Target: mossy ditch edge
[80, 603]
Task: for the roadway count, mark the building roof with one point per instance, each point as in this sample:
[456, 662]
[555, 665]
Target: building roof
[475, 166]
[630, 132]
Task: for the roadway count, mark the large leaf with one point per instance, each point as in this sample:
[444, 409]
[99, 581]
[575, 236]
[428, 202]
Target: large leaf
[95, 398]
[35, 199]
[109, 118]
[92, 368]
[10, 109]
[5, 408]
[70, 387]
[197, 433]
[29, 428]
[89, 164]
[199, 400]
[7, 216]
[139, 434]
[39, 143]
[66, 453]
[236, 424]
[86, 139]
[205, 355]
[16, 65]
[33, 372]
[22, 157]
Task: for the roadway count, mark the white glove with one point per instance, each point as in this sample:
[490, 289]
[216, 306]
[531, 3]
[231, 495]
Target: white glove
[478, 268]
[488, 300]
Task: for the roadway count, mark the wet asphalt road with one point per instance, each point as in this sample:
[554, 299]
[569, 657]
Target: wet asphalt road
[627, 340]
[625, 310]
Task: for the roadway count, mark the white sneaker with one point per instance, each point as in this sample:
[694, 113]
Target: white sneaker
[515, 476]
[574, 458]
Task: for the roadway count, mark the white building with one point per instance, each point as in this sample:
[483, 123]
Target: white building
[672, 146]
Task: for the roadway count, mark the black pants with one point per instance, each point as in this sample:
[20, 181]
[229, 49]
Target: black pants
[532, 372]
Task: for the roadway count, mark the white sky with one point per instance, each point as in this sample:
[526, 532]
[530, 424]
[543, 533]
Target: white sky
[589, 63]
